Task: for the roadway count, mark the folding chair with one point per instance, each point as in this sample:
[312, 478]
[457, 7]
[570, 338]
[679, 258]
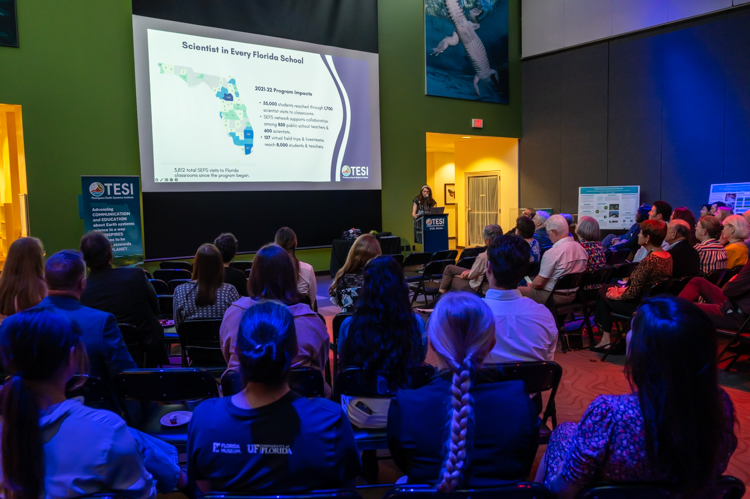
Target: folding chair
[538, 377]
[166, 306]
[623, 271]
[243, 266]
[444, 255]
[678, 284]
[167, 275]
[476, 251]
[321, 494]
[425, 286]
[338, 320]
[171, 388]
[728, 275]
[724, 487]
[136, 345]
[466, 262]
[417, 261]
[95, 392]
[586, 300]
[201, 344]
[399, 258]
[616, 257]
[568, 281]
[160, 286]
[738, 337]
[307, 382]
[176, 282]
[176, 265]
[716, 276]
[523, 490]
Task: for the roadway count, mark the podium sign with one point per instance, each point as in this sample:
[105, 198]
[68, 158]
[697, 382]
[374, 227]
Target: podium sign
[432, 232]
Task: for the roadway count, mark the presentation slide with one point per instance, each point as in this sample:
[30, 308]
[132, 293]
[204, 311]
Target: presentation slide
[736, 196]
[614, 207]
[225, 110]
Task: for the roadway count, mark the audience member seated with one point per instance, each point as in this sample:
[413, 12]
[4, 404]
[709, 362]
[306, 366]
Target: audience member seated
[525, 229]
[307, 285]
[715, 206]
[124, 293]
[712, 253]
[457, 278]
[492, 427]
[657, 266]
[705, 210]
[746, 216]
[564, 257]
[22, 279]
[685, 259]
[588, 237]
[266, 439]
[274, 278]
[53, 447]
[525, 331]
[206, 296]
[685, 214]
[676, 427]
[727, 307]
[227, 246]
[65, 273]
[630, 239]
[662, 211]
[383, 337]
[734, 232]
[540, 231]
[344, 290]
[723, 212]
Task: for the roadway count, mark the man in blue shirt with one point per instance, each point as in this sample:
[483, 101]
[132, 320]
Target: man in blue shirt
[65, 273]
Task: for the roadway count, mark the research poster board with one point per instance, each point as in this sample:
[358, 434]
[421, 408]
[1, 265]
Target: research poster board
[736, 196]
[112, 205]
[614, 207]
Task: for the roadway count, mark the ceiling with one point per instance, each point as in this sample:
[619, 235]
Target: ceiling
[446, 142]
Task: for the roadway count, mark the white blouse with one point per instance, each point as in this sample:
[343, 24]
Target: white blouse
[306, 283]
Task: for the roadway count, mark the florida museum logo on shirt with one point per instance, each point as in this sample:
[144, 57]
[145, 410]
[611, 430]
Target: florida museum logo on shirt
[355, 172]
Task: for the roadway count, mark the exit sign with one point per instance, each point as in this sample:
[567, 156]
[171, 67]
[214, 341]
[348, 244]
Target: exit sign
[477, 123]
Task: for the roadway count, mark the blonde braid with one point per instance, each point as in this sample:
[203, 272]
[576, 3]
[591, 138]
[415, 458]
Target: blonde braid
[456, 460]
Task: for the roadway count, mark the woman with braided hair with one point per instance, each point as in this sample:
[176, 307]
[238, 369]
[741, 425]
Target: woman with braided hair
[463, 430]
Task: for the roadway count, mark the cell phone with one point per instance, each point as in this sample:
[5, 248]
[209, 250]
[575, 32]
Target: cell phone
[363, 407]
[527, 279]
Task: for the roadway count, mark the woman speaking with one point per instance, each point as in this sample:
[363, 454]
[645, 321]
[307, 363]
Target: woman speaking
[423, 202]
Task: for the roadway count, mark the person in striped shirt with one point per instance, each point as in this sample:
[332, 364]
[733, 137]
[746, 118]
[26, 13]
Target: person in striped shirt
[712, 252]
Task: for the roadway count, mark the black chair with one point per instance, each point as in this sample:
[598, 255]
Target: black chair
[243, 266]
[466, 262]
[425, 286]
[524, 490]
[316, 494]
[568, 281]
[728, 275]
[399, 258]
[534, 269]
[678, 284]
[444, 255]
[623, 271]
[725, 487]
[201, 344]
[538, 377]
[476, 251]
[716, 276]
[176, 282]
[167, 275]
[171, 388]
[585, 301]
[136, 345]
[176, 265]
[160, 286]
[166, 306]
[338, 319]
[739, 341]
[95, 392]
[307, 382]
[616, 257]
[415, 261]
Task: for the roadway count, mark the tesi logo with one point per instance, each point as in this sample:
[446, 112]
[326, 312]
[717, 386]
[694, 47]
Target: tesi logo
[96, 189]
[435, 221]
[429, 221]
[355, 172]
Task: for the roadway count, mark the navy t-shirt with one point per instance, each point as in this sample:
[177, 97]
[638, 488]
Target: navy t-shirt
[292, 445]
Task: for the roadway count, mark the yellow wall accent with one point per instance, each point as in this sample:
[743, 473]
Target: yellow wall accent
[441, 170]
[487, 155]
[12, 177]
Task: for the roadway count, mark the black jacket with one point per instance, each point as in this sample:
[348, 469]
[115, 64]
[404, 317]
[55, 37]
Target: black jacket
[127, 294]
[685, 260]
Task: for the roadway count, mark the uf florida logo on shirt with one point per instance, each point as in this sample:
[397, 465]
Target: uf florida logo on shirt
[268, 449]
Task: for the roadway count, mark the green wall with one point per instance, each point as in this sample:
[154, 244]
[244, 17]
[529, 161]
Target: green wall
[73, 75]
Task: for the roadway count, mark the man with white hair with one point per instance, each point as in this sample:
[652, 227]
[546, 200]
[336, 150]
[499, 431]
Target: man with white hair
[685, 259]
[565, 256]
[540, 234]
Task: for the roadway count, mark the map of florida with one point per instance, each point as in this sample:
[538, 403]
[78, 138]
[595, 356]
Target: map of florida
[233, 112]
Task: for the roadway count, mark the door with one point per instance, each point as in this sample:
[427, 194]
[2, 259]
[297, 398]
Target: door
[483, 203]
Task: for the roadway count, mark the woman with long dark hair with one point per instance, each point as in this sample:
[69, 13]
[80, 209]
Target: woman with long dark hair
[266, 439]
[344, 290]
[206, 296]
[22, 281]
[307, 285]
[274, 277]
[53, 447]
[383, 336]
[491, 430]
[678, 424]
[423, 201]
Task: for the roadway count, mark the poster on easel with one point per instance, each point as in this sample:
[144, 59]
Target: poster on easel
[112, 205]
[614, 207]
[736, 196]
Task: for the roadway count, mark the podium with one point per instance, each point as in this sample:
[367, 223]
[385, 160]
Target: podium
[431, 231]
